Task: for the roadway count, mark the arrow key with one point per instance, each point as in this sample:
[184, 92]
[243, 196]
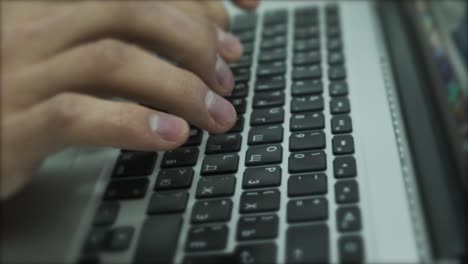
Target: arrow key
[346, 192]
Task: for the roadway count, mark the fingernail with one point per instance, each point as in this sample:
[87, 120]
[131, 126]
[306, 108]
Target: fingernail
[224, 75]
[220, 109]
[166, 126]
[230, 43]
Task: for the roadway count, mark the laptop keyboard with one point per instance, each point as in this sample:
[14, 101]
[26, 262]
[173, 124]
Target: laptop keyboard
[271, 167]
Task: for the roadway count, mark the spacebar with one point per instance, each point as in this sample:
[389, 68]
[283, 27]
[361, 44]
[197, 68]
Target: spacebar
[158, 239]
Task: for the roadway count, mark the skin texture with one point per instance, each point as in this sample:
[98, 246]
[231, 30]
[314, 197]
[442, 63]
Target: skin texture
[61, 61]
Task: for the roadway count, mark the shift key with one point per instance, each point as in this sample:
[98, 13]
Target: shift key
[158, 239]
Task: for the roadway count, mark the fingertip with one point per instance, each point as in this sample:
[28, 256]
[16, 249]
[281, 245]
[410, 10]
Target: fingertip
[221, 111]
[171, 129]
[230, 45]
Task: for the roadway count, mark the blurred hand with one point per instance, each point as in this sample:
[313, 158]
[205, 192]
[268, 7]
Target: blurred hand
[60, 60]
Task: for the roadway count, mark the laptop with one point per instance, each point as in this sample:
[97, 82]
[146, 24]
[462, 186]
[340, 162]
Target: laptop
[351, 146]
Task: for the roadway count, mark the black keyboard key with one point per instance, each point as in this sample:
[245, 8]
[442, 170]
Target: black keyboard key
[307, 209]
[305, 21]
[336, 73]
[268, 99]
[311, 11]
[265, 135]
[174, 178]
[336, 58]
[273, 42]
[241, 71]
[346, 192]
[344, 167]
[267, 116]
[273, 17]
[348, 219]
[106, 213]
[248, 48]
[272, 55]
[351, 249]
[209, 259]
[120, 238]
[135, 163]
[276, 30]
[244, 22]
[259, 177]
[96, 240]
[306, 58]
[306, 103]
[216, 186]
[270, 84]
[223, 143]
[238, 126]
[307, 87]
[211, 211]
[260, 201]
[307, 72]
[334, 44]
[306, 32]
[306, 45]
[307, 121]
[244, 62]
[339, 105]
[168, 202]
[246, 36]
[342, 145]
[331, 9]
[220, 164]
[339, 88]
[307, 184]
[180, 157]
[126, 189]
[308, 244]
[195, 137]
[257, 227]
[307, 140]
[213, 237]
[239, 104]
[333, 31]
[264, 155]
[256, 253]
[341, 124]
[161, 246]
[307, 161]
[276, 68]
[241, 90]
[244, 77]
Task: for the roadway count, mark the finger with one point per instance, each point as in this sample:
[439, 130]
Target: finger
[113, 68]
[85, 120]
[229, 46]
[72, 119]
[152, 24]
[247, 4]
[217, 12]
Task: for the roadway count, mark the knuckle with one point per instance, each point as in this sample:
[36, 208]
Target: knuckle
[223, 17]
[108, 56]
[191, 87]
[62, 109]
[204, 48]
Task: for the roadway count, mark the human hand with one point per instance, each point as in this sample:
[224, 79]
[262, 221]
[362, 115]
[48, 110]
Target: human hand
[61, 60]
